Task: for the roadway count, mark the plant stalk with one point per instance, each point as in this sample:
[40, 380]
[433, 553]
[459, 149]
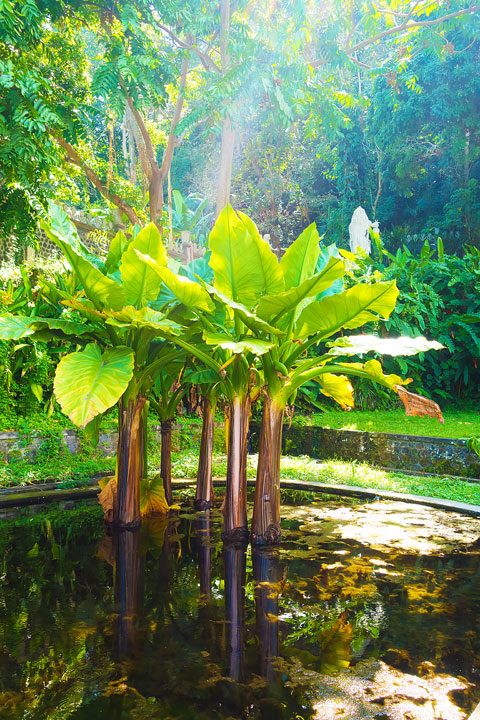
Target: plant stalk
[166, 459]
[204, 496]
[235, 507]
[266, 508]
[130, 462]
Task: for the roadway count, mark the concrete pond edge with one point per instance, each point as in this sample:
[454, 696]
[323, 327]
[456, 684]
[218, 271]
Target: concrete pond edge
[24, 496]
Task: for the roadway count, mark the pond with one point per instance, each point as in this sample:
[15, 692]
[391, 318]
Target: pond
[366, 611]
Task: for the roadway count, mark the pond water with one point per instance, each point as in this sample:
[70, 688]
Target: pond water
[365, 611]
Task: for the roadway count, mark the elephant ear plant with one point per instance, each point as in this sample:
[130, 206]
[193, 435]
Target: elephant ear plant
[309, 311]
[117, 332]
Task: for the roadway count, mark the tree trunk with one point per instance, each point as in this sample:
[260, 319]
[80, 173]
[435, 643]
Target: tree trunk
[235, 509]
[130, 463]
[226, 164]
[127, 591]
[267, 575]
[204, 495]
[228, 134]
[235, 565]
[166, 459]
[266, 509]
[155, 195]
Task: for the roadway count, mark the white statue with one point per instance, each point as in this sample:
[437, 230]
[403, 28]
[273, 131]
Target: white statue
[359, 230]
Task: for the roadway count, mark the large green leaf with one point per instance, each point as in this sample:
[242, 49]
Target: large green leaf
[246, 344]
[273, 280]
[350, 309]
[87, 383]
[189, 293]
[14, 327]
[300, 259]
[141, 282]
[241, 265]
[398, 346]
[67, 327]
[276, 305]
[60, 226]
[118, 245]
[144, 317]
[100, 289]
[250, 319]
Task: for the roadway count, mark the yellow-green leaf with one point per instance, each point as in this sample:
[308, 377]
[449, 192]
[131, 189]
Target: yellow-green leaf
[188, 292]
[242, 265]
[300, 259]
[275, 305]
[100, 289]
[152, 497]
[141, 282]
[88, 382]
[350, 309]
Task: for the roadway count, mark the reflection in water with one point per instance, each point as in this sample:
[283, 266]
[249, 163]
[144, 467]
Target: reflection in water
[201, 542]
[267, 573]
[127, 585]
[167, 622]
[235, 565]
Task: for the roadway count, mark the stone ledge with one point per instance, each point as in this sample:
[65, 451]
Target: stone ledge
[404, 453]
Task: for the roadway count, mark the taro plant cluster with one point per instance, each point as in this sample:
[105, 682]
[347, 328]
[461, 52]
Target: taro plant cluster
[242, 328]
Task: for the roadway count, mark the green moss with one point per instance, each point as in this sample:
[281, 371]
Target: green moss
[458, 423]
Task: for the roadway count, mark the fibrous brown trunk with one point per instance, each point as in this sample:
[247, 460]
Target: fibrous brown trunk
[266, 509]
[267, 576]
[127, 590]
[204, 495]
[235, 506]
[130, 462]
[166, 459]
[235, 564]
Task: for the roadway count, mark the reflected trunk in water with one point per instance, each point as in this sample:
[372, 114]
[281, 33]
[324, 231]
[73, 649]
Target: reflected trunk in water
[235, 566]
[130, 462]
[267, 574]
[266, 509]
[202, 543]
[128, 591]
[204, 494]
[235, 507]
[166, 459]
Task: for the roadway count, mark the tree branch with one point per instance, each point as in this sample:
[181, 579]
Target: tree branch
[171, 142]
[407, 25]
[75, 158]
[207, 61]
[149, 149]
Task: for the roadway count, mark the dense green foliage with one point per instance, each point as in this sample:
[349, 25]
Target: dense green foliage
[98, 105]
[439, 298]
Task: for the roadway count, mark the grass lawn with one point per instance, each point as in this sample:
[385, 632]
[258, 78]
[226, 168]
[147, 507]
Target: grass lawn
[346, 473]
[458, 423]
[77, 470]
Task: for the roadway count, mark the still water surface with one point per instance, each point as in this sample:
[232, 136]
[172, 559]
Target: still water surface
[167, 623]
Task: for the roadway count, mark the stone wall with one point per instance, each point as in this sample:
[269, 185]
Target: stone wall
[408, 453]
[13, 445]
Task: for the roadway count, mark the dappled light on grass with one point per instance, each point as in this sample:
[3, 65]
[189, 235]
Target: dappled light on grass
[345, 473]
[458, 423]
